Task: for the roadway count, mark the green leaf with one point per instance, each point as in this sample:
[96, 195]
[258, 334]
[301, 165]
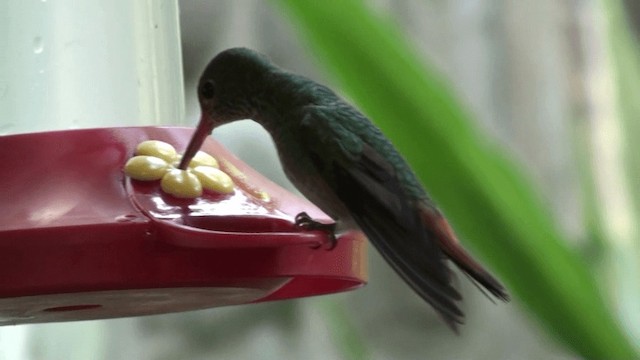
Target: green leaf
[489, 202]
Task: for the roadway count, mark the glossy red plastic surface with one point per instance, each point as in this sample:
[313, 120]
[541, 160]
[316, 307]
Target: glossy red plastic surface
[79, 240]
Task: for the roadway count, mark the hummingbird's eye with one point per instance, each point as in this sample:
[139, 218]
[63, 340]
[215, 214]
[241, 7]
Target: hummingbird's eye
[208, 89]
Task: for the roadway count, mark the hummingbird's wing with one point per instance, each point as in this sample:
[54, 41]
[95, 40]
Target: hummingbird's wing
[370, 189]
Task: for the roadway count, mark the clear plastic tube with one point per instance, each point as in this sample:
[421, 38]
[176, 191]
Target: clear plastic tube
[66, 65]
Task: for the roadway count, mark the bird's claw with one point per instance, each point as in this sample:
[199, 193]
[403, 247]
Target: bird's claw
[304, 221]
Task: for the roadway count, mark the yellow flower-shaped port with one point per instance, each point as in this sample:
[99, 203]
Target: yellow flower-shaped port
[200, 159]
[213, 179]
[159, 149]
[181, 183]
[146, 168]
[157, 160]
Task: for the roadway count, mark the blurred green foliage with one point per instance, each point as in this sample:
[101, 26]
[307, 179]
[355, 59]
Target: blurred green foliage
[624, 256]
[626, 58]
[490, 203]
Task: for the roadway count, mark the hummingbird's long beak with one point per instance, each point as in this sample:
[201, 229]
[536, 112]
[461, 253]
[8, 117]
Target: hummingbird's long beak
[205, 126]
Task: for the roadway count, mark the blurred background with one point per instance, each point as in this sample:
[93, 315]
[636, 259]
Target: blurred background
[552, 84]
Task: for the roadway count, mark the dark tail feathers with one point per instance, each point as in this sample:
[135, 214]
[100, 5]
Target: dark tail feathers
[450, 245]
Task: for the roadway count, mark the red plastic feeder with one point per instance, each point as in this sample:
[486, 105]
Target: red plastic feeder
[79, 240]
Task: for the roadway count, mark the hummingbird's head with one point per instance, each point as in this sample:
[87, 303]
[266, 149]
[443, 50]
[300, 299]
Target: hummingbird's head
[229, 90]
[230, 84]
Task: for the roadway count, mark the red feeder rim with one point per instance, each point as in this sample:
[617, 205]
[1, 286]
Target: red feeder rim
[80, 240]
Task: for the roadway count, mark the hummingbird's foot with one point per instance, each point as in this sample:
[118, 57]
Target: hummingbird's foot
[304, 221]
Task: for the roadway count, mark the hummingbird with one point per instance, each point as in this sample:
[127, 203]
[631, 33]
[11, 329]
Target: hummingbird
[340, 161]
